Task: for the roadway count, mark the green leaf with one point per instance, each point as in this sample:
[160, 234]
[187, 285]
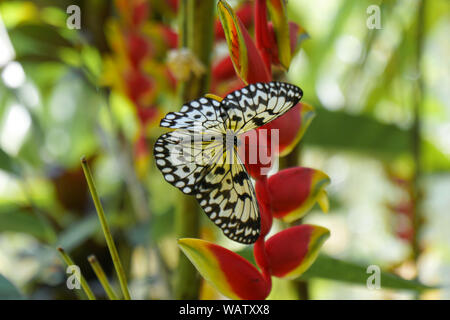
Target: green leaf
[19, 219]
[7, 163]
[8, 291]
[36, 42]
[326, 267]
[342, 131]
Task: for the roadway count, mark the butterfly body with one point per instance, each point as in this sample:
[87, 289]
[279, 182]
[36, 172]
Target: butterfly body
[201, 158]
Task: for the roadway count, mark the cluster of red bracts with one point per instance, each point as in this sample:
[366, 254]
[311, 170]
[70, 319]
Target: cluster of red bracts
[136, 69]
[276, 42]
[288, 194]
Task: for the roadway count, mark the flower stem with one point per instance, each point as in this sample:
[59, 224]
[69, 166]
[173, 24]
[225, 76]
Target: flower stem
[259, 249]
[104, 223]
[83, 281]
[196, 34]
[102, 277]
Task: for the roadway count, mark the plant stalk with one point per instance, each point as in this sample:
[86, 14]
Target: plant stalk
[106, 231]
[83, 281]
[102, 277]
[196, 34]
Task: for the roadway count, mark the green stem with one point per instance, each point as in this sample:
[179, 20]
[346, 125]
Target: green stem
[102, 277]
[83, 281]
[196, 26]
[105, 227]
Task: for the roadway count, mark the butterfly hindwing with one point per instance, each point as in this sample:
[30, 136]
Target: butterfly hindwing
[227, 196]
[183, 159]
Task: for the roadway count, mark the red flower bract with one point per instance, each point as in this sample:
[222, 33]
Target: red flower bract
[294, 191]
[293, 250]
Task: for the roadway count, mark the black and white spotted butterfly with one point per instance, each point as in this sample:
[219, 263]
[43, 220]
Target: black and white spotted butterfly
[200, 156]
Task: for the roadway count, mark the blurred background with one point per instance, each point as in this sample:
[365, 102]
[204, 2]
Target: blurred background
[382, 133]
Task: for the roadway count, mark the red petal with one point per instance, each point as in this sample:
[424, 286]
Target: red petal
[137, 84]
[257, 69]
[292, 251]
[262, 35]
[138, 48]
[223, 70]
[256, 152]
[170, 36]
[140, 12]
[294, 191]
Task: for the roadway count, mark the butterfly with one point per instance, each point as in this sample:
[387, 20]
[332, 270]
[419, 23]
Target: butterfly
[200, 157]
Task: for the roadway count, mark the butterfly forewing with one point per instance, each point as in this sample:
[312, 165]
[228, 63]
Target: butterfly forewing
[257, 104]
[201, 115]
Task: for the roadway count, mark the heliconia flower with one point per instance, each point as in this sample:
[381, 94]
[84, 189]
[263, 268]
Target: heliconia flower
[173, 4]
[140, 12]
[264, 40]
[292, 251]
[170, 36]
[139, 86]
[291, 126]
[244, 13]
[294, 191]
[147, 114]
[247, 60]
[297, 35]
[229, 273]
[278, 15]
[223, 70]
[256, 153]
[138, 48]
[133, 12]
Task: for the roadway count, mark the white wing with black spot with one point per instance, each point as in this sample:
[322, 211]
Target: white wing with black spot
[227, 196]
[184, 159]
[200, 116]
[257, 104]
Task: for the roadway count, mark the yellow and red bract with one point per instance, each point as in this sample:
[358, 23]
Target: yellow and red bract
[228, 272]
[294, 191]
[247, 60]
[292, 251]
